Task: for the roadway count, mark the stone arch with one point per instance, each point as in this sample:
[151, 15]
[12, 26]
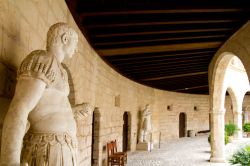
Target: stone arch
[237, 45]
[216, 89]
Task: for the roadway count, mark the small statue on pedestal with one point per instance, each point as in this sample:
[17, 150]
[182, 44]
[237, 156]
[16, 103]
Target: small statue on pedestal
[146, 126]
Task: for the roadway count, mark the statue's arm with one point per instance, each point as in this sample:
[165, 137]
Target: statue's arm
[148, 113]
[27, 94]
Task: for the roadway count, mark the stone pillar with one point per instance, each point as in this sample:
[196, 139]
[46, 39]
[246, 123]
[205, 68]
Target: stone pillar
[238, 123]
[217, 136]
[246, 114]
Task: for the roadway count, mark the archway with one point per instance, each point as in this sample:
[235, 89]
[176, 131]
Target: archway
[246, 109]
[126, 146]
[235, 107]
[125, 132]
[182, 125]
[237, 96]
[246, 114]
[229, 116]
[227, 69]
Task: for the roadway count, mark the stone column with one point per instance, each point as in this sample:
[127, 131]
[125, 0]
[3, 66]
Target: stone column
[246, 114]
[238, 123]
[217, 136]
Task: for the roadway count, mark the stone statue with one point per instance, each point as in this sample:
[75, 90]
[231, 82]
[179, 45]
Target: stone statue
[146, 126]
[41, 98]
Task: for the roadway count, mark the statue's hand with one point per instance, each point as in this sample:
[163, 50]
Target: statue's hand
[24, 164]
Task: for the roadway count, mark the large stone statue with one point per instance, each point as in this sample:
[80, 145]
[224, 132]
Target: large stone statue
[146, 126]
[41, 98]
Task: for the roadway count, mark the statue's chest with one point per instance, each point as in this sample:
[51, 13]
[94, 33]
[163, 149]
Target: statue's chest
[61, 80]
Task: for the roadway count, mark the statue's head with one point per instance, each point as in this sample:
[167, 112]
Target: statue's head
[62, 36]
[147, 106]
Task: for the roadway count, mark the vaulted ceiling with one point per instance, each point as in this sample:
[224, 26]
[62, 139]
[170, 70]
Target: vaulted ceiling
[165, 44]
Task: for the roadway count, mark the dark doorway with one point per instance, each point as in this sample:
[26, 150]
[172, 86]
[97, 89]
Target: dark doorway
[182, 125]
[125, 132]
[95, 137]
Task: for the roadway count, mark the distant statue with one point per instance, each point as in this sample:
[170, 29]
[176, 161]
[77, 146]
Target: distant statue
[41, 98]
[146, 126]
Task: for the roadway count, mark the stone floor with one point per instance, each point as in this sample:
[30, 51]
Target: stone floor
[183, 152]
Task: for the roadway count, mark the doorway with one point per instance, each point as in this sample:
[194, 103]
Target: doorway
[182, 125]
[126, 132]
[95, 158]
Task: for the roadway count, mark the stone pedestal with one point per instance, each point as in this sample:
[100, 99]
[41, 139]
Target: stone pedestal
[145, 146]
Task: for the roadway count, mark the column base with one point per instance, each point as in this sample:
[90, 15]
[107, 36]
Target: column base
[217, 160]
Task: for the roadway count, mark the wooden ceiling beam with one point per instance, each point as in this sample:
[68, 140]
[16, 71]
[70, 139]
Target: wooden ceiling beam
[111, 25]
[177, 65]
[167, 55]
[166, 59]
[168, 68]
[173, 76]
[190, 88]
[180, 82]
[186, 80]
[163, 62]
[97, 43]
[169, 11]
[153, 60]
[167, 73]
[161, 32]
[158, 48]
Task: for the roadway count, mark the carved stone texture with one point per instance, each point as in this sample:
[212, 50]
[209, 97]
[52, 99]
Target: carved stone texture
[41, 98]
[82, 111]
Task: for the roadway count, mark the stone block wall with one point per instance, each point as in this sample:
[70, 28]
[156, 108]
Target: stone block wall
[7, 88]
[92, 81]
[196, 108]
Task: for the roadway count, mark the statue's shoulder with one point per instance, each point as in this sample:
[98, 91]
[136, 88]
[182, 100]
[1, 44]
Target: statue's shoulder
[40, 56]
[38, 64]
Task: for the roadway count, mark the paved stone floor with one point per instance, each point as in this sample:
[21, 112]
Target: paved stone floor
[182, 152]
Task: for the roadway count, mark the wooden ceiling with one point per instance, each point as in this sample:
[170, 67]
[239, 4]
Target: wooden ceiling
[165, 44]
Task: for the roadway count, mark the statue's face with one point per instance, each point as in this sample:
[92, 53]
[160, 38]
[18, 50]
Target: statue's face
[71, 47]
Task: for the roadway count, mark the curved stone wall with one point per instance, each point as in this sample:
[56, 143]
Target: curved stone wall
[23, 28]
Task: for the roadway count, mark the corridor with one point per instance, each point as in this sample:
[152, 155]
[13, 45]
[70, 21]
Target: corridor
[183, 152]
